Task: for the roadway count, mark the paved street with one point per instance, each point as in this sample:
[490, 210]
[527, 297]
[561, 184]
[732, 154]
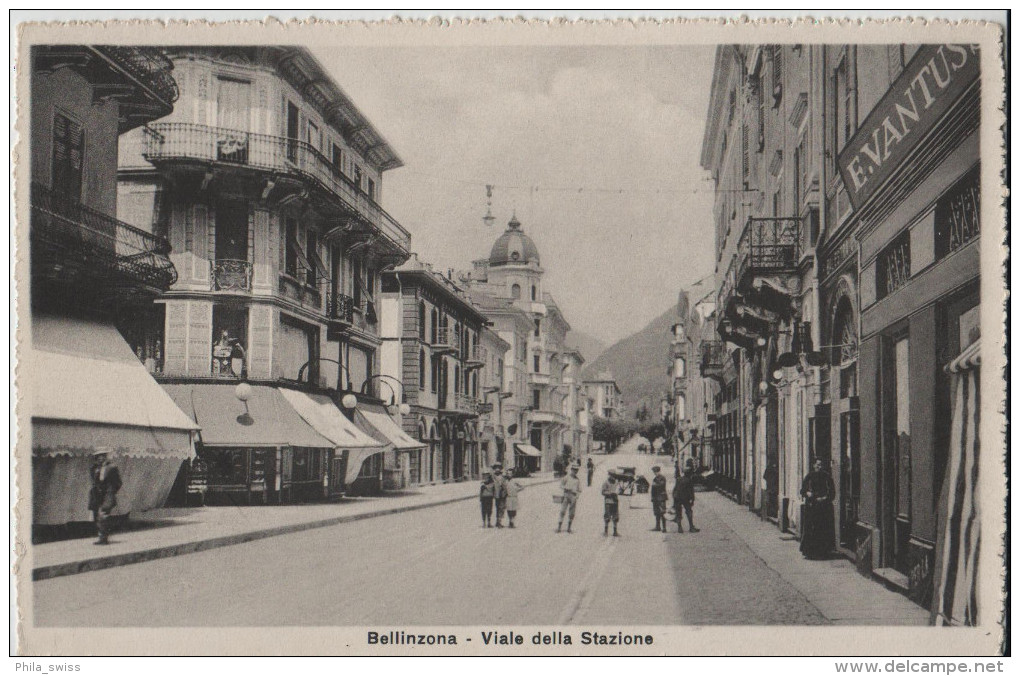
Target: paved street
[438, 566]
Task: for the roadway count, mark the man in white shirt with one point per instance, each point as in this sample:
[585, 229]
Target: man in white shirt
[571, 485]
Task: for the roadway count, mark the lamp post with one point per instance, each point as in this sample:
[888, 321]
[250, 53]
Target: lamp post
[403, 407]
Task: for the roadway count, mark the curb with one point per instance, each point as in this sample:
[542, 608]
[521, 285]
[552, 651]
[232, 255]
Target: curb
[128, 558]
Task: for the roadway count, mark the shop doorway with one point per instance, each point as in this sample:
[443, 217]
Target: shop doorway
[848, 411]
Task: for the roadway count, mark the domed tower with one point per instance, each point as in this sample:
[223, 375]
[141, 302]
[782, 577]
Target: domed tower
[513, 266]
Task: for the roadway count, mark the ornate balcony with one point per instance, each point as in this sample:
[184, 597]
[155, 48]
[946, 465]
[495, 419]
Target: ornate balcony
[72, 243]
[762, 280]
[442, 341]
[230, 275]
[474, 357]
[140, 79]
[714, 355]
[281, 157]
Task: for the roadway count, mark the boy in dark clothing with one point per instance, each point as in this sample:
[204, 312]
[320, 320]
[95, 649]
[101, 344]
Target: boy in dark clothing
[612, 500]
[659, 497]
[103, 494]
[683, 497]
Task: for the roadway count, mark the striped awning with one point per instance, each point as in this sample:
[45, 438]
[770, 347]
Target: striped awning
[968, 359]
[955, 599]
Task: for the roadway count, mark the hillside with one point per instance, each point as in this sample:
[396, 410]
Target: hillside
[639, 363]
[588, 345]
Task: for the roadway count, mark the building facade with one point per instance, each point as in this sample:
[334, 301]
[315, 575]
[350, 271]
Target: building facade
[433, 333]
[267, 181]
[847, 230]
[513, 272]
[87, 389]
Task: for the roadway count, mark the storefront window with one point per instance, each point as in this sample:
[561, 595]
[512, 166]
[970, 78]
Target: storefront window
[902, 375]
[958, 215]
[893, 267]
[295, 350]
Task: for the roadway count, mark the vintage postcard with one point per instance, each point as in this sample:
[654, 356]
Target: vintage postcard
[510, 338]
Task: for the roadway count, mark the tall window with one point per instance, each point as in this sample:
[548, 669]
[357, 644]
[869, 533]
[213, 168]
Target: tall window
[68, 157]
[534, 292]
[291, 246]
[434, 326]
[233, 104]
[538, 327]
[421, 370]
[843, 100]
[536, 399]
[295, 348]
[515, 291]
[337, 158]
[434, 382]
[421, 321]
[312, 245]
[537, 363]
[371, 189]
[357, 176]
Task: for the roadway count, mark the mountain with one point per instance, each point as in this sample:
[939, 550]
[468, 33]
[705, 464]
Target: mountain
[639, 363]
[589, 346]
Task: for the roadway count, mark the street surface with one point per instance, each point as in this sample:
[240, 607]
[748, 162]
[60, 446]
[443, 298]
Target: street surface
[439, 566]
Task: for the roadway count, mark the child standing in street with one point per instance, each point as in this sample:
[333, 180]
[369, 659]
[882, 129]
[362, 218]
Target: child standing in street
[612, 511]
[486, 495]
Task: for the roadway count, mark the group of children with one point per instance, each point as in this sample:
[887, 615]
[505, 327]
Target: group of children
[501, 491]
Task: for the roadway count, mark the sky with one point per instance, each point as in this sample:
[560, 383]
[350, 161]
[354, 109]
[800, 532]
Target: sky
[596, 150]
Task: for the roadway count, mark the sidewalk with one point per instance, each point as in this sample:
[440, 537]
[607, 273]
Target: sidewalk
[834, 587]
[162, 533]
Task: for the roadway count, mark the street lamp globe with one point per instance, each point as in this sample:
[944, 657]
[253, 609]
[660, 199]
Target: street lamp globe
[405, 408]
[242, 391]
[349, 401]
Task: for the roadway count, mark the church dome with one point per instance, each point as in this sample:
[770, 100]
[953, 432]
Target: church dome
[513, 246]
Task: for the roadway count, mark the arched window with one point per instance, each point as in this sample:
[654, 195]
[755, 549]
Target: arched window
[534, 292]
[681, 407]
[515, 291]
[421, 321]
[456, 379]
[421, 370]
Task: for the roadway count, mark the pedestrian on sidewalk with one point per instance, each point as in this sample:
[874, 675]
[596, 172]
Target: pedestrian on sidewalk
[819, 535]
[513, 488]
[571, 486]
[659, 498]
[103, 494]
[683, 499]
[486, 495]
[591, 470]
[499, 492]
[611, 497]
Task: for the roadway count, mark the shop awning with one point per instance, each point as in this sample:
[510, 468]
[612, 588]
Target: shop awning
[320, 412]
[956, 599]
[88, 391]
[378, 422]
[268, 419]
[527, 449]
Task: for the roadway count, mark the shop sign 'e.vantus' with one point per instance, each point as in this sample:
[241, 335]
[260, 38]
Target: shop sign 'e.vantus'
[921, 95]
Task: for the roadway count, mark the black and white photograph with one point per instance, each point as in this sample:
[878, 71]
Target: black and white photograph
[510, 339]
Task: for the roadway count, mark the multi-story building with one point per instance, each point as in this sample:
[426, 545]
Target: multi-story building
[513, 272]
[605, 395]
[575, 403]
[514, 327]
[493, 395]
[84, 386]
[847, 229]
[761, 148]
[902, 181]
[267, 180]
[433, 333]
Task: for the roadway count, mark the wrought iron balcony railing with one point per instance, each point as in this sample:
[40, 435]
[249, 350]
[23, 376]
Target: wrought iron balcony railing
[768, 246]
[476, 354]
[340, 307]
[442, 338]
[184, 141]
[67, 233]
[148, 65]
[713, 357]
[230, 275]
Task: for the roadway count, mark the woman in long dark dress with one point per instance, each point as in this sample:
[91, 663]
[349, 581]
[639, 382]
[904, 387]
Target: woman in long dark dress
[818, 491]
